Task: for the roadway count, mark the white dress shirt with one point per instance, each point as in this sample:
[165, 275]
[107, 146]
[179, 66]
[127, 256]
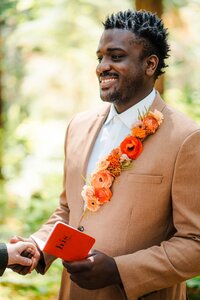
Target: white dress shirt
[115, 129]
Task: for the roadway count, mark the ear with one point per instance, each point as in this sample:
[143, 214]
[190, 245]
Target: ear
[151, 64]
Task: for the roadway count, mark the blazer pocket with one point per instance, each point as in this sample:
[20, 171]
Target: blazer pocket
[144, 178]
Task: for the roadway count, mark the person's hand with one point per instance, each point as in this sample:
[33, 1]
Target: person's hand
[15, 254]
[97, 271]
[18, 268]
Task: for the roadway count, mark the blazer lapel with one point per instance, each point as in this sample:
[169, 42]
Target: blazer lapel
[88, 138]
[91, 135]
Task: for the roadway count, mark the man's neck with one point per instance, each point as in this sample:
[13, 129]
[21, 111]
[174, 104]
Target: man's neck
[121, 107]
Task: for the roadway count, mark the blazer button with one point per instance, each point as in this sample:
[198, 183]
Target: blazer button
[81, 228]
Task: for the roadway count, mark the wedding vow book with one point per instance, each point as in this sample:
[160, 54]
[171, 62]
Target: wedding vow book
[68, 243]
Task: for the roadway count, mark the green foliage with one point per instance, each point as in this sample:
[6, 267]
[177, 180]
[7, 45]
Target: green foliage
[171, 4]
[193, 288]
[33, 286]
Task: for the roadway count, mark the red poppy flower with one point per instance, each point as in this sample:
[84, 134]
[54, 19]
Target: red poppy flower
[131, 146]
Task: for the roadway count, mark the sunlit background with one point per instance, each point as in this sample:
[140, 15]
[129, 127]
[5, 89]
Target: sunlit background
[47, 67]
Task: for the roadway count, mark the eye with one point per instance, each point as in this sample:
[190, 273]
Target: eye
[99, 59]
[117, 57]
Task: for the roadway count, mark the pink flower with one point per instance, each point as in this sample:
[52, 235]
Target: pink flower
[139, 123]
[157, 115]
[102, 165]
[87, 192]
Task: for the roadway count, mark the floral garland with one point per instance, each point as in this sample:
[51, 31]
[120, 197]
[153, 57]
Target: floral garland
[98, 191]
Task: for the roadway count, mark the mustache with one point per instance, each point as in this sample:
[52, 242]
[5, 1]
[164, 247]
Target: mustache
[108, 74]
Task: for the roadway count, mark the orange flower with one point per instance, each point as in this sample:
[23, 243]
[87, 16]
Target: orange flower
[93, 204]
[151, 124]
[103, 195]
[101, 179]
[139, 132]
[131, 146]
[114, 159]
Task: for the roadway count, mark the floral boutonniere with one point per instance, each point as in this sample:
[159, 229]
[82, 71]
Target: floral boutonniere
[98, 191]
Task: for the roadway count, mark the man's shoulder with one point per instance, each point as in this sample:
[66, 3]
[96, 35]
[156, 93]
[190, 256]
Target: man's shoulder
[173, 117]
[179, 119]
[177, 126]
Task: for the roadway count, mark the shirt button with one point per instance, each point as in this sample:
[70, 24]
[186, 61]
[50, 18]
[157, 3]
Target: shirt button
[81, 228]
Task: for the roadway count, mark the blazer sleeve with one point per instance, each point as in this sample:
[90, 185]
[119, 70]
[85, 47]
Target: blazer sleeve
[3, 258]
[178, 258]
[60, 214]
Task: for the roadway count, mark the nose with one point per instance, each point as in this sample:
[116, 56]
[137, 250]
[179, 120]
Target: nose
[103, 66]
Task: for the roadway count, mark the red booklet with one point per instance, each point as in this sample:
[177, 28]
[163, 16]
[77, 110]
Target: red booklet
[68, 243]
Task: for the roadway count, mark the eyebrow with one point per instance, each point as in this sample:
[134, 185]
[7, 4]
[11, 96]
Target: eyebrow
[111, 50]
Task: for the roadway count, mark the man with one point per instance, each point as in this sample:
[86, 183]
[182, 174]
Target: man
[148, 233]
[12, 254]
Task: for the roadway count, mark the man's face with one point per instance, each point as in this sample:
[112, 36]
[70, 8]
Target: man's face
[121, 71]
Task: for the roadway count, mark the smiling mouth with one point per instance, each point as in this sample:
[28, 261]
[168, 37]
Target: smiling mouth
[107, 82]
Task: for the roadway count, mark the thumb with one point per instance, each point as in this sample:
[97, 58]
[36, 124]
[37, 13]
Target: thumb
[16, 239]
[93, 252]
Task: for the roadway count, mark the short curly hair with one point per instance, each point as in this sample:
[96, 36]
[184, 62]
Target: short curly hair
[148, 28]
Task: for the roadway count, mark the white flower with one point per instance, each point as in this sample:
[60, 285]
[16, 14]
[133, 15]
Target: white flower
[157, 115]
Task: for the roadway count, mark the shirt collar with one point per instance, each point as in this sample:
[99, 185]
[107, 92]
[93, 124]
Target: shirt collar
[130, 116]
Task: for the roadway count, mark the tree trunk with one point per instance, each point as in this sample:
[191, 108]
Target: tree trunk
[150, 5]
[155, 7]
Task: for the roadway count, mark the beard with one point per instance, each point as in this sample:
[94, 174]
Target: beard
[116, 97]
[123, 95]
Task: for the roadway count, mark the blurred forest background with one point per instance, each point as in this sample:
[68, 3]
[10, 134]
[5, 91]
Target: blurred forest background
[47, 68]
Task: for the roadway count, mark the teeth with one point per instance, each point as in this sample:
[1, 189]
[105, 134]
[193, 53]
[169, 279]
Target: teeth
[105, 80]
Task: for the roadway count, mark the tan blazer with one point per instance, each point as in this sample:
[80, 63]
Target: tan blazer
[151, 226]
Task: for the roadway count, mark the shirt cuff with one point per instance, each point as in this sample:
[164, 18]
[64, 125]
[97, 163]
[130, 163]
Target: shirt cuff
[3, 258]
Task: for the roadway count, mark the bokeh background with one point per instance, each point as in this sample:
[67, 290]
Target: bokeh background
[47, 69]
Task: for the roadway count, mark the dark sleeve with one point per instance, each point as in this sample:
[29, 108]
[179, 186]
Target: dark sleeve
[3, 258]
